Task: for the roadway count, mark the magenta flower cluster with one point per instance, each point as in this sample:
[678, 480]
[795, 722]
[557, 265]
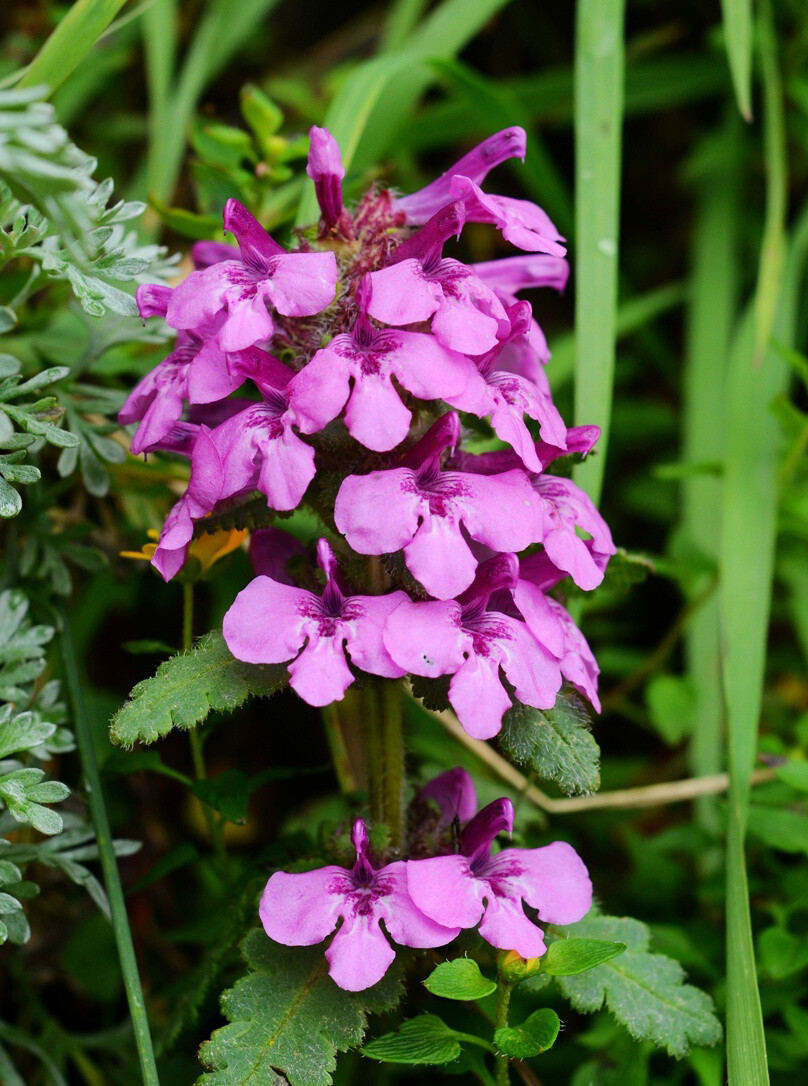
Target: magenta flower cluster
[340, 373]
[428, 902]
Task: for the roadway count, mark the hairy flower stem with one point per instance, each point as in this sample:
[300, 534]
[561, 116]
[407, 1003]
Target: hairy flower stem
[194, 738]
[500, 1022]
[384, 744]
[109, 865]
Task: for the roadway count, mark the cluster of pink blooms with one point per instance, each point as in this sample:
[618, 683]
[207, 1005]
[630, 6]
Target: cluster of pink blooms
[369, 323]
[428, 902]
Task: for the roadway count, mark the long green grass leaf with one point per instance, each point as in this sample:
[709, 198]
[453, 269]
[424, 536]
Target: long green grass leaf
[711, 316]
[737, 15]
[598, 124]
[70, 42]
[770, 270]
[372, 103]
[748, 543]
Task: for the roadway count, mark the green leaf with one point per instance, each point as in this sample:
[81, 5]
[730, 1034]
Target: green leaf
[422, 1040]
[536, 1034]
[670, 704]
[737, 16]
[644, 991]
[568, 957]
[786, 831]
[795, 774]
[557, 743]
[75, 35]
[228, 793]
[287, 1016]
[781, 954]
[459, 979]
[188, 687]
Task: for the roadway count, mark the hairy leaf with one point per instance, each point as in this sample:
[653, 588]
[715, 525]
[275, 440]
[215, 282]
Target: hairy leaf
[188, 687]
[568, 957]
[422, 1040]
[557, 743]
[644, 991]
[536, 1034]
[288, 1018]
[459, 979]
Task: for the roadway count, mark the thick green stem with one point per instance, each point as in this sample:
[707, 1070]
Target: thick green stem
[109, 866]
[500, 1022]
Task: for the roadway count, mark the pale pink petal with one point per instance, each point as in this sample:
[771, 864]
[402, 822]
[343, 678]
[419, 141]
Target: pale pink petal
[506, 927]
[532, 670]
[256, 247]
[439, 557]
[401, 294]
[320, 390]
[209, 377]
[378, 513]
[303, 908]
[200, 296]
[539, 615]
[426, 638]
[363, 620]
[359, 954]
[500, 510]
[301, 284]
[521, 222]
[286, 470]
[569, 552]
[478, 697]
[375, 415]
[266, 623]
[205, 253]
[446, 891]
[555, 882]
[404, 921]
[428, 370]
[248, 321]
[320, 674]
[523, 272]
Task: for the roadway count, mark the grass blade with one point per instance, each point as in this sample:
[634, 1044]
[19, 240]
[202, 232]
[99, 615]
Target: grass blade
[373, 101]
[109, 865]
[399, 24]
[71, 41]
[598, 122]
[737, 16]
[770, 271]
[711, 317]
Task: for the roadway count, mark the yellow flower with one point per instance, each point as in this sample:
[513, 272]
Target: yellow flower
[206, 550]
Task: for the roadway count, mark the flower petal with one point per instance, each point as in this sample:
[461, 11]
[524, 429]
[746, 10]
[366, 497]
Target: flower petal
[363, 620]
[401, 294]
[555, 881]
[426, 638]
[302, 908]
[506, 927]
[301, 284]
[446, 891]
[404, 921]
[359, 954]
[378, 513]
[439, 557]
[266, 622]
[454, 793]
[320, 674]
[375, 415]
[478, 697]
[320, 390]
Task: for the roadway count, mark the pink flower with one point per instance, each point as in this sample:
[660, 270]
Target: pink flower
[302, 909]
[474, 887]
[422, 205]
[274, 623]
[357, 368]
[423, 510]
[295, 284]
[471, 640]
[421, 283]
[508, 397]
[522, 222]
[454, 794]
[326, 171]
[258, 447]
